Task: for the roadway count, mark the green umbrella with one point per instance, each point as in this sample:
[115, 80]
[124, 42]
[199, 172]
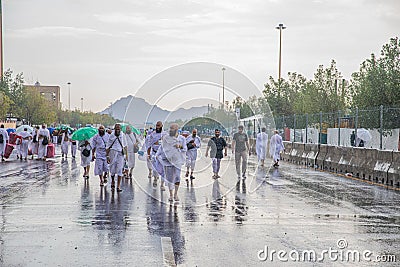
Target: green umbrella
[134, 130]
[84, 133]
[63, 128]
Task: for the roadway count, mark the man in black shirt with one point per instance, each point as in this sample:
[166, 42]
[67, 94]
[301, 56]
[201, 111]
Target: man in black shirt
[240, 146]
[217, 145]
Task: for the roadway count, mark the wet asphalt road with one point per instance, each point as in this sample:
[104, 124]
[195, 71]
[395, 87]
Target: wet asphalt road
[51, 217]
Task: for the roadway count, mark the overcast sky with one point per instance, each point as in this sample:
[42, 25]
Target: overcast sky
[108, 49]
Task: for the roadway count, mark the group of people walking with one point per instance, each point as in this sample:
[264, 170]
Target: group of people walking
[26, 143]
[166, 152]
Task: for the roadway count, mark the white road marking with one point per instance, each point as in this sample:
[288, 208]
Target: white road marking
[167, 251]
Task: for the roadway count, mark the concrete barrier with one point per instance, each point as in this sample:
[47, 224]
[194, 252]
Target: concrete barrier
[332, 159]
[344, 163]
[320, 159]
[297, 153]
[285, 156]
[312, 153]
[394, 170]
[368, 158]
[357, 161]
[384, 159]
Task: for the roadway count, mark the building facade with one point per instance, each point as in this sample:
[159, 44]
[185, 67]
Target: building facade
[50, 92]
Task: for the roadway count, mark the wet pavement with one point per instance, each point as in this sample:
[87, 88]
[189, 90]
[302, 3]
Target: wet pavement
[51, 217]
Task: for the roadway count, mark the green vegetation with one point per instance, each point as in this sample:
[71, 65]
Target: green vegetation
[17, 101]
[376, 83]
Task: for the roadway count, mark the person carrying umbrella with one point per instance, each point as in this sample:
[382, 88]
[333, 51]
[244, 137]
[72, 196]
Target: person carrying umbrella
[84, 135]
[86, 157]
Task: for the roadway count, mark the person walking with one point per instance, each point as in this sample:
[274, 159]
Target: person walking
[3, 141]
[73, 146]
[172, 155]
[86, 157]
[25, 139]
[35, 143]
[132, 144]
[275, 147]
[261, 145]
[65, 141]
[153, 142]
[99, 146]
[115, 154]
[217, 145]
[43, 140]
[193, 143]
[240, 147]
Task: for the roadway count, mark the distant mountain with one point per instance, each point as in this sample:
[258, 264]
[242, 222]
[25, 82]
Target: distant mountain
[139, 112]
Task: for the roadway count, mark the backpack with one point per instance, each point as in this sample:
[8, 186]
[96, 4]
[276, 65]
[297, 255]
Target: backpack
[86, 152]
[45, 141]
[1, 138]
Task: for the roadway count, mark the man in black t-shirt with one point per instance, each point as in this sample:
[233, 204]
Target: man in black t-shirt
[217, 145]
[240, 146]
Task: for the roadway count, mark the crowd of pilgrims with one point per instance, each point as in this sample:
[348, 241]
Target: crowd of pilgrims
[114, 152]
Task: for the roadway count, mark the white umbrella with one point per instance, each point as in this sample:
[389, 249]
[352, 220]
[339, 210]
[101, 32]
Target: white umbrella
[22, 127]
[364, 135]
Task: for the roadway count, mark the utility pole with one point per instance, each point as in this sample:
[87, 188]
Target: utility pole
[1, 41]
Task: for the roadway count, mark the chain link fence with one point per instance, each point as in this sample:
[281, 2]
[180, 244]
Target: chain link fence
[375, 128]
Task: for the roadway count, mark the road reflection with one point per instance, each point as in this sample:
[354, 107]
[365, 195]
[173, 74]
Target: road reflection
[163, 220]
[189, 208]
[217, 205]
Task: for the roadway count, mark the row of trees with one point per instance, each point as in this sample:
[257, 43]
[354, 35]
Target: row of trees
[28, 105]
[376, 83]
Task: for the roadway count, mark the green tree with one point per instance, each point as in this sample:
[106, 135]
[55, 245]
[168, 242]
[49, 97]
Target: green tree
[13, 88]
[378, 80]
[282, 95]
[5, 103]
[35, 109]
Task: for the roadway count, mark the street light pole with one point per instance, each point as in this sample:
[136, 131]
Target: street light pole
[69, 96]
[223, 88]
[280, 27]
[81, 104]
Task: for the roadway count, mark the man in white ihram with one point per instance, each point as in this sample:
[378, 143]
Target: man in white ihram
[193, 143]
[43, 140]
[115, 154]
[261, 145]
[275, 148]
[131, 140]
[3, 141]
[172, 155]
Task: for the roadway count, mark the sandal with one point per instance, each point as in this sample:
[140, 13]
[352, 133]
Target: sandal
[101, 184]
[119, 190]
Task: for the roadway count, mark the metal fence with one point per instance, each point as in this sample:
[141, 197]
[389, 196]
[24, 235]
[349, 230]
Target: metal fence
[383, 120]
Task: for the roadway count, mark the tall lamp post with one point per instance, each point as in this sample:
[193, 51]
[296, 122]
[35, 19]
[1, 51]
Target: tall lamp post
[223, 88]
[69, 96]
[280, 27]
[81, 104]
